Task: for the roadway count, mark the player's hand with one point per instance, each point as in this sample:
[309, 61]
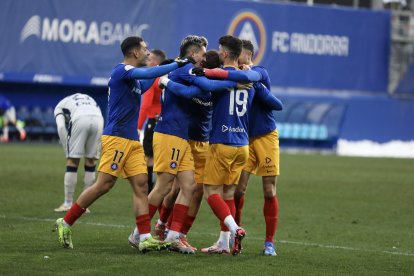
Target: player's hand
[244, 86]
[198, 71]
[162, 82]
[184, 61]
[167, 61]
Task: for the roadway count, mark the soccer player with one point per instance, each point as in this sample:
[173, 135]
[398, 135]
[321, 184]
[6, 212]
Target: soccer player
[79, 123]
[151, 109]
[228, 150]
[8, 112]
[122, 154]
[172, 152]
[263, 155]
[198, 134]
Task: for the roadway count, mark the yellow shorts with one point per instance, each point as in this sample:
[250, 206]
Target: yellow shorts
[122, 157]
[264, 155]
[224, 164]
[200, 153]
[172, 154]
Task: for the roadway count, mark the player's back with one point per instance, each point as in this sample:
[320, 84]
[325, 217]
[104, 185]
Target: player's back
[79, 105]
[123, 103]
[174, 111]
[230, 116]
[4, 103]
[261, 117]
[201, 111]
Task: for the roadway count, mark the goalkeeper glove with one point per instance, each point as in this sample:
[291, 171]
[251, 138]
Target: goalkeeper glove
[198, 71]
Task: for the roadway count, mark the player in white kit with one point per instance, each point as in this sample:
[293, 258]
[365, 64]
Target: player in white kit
[80, 123]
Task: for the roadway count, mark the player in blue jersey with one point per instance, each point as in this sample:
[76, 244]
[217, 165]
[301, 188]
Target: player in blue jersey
[172, 152]
[122, 154]
[263, 155]
[198, 133]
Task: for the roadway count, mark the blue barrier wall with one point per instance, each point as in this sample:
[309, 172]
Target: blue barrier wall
[77, 42]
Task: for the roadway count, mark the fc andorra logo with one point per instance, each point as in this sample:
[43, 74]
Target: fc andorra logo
[248, 25]
[114, 166]
[173, 165]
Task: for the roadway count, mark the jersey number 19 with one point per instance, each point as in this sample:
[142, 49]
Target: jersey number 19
[240, 98]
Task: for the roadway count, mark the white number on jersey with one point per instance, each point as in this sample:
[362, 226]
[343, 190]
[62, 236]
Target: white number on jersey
[240, 98]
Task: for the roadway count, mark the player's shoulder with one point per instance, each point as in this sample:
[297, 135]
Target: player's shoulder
[120, 69]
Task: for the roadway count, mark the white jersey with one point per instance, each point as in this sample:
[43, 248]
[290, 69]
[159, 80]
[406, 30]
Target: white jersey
[76, 106]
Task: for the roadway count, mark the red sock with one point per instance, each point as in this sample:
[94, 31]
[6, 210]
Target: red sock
[143, 224]
[170, 218]
[187, 225]
[164, 213]
[73, 214]
[232, 207]
[219, 207]
[270, 212]
[179, 217]
[239, 202]
[152, 209]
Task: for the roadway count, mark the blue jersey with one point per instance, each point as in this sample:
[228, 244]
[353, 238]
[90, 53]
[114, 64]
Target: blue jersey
[4, 103]
[174, 111]
[230, 116]
[125, 97]
[201, 110]
[261, 117]
[123, 103]
[175, 117]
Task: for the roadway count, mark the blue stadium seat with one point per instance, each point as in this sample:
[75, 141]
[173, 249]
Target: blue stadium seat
[333, 120]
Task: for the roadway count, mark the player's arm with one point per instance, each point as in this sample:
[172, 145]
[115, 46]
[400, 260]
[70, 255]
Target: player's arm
[234, 75]
[267, 98]
[156, 71]
[213, 85]
[179, 89]
[61, 124]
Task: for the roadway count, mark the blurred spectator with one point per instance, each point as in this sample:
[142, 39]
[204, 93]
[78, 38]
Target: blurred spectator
[8, 112]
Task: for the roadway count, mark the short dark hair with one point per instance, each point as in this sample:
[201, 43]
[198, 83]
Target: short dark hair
[192, 41]
[212, 59]
[130, 43]
[160, 54]
[232, 44]
[247, 45]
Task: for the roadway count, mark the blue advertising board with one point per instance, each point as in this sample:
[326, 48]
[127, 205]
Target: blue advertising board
[77, 42]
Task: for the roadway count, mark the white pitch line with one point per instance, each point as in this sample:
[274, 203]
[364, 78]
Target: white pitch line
[215, 234]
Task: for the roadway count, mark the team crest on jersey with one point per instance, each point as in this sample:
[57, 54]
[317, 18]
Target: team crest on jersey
[248, 25]
[173, 165]
[114, 166]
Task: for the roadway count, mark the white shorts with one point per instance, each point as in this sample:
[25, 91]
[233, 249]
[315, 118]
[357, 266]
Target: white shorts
[10, 115]
[84, 137]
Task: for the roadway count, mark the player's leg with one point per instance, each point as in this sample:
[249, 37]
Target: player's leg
[70, 179]
[270, 212]
[239, 195]
[4, 138]
[11, 116]
[179, 216]
[165, 210]
[267, 150]
[103, 184]
[148, 149]
[142, 218]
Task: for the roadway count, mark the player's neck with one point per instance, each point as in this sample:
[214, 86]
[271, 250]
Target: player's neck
[231, 63]
[130, 61]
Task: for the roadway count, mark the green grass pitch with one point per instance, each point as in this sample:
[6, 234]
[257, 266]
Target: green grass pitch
[338, 216]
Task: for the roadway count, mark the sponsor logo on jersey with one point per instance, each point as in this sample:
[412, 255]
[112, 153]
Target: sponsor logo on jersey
[248, 25]
[67, 30]
[225, 128]
[114, 166]
[267, 159]
[173, 165]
